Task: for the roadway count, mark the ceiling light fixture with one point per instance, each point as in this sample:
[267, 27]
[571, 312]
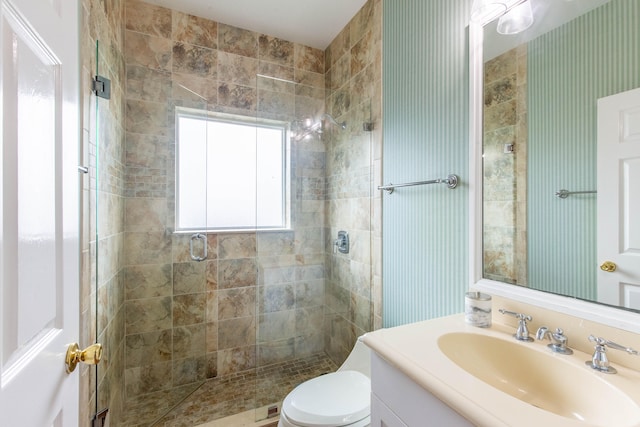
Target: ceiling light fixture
[516, 20]
[485, 11]
[515, 15]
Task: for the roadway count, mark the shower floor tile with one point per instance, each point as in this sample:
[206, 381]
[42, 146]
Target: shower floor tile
[222, 397]
[244, 419]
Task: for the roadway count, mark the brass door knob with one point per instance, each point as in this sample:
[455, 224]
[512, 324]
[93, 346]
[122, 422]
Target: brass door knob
[90, 355]
[608, 266]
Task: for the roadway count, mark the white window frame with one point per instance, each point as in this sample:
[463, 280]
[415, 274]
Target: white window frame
[284, 127]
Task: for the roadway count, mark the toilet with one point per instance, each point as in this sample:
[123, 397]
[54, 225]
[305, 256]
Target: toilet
[338, 399]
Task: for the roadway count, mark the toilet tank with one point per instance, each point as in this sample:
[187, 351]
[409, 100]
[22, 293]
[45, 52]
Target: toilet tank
[359, 359]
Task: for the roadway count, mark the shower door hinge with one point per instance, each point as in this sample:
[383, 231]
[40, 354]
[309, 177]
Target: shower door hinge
[100, 418]
[102, 87]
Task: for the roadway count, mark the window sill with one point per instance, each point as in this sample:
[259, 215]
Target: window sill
[232, 230]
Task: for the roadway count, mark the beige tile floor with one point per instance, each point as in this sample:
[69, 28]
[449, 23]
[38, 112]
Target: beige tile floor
[244, 419]
[230, 401]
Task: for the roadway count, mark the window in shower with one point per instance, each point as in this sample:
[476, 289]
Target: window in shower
[231, 173]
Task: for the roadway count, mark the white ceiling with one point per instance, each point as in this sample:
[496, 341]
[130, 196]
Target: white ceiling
[313, 23]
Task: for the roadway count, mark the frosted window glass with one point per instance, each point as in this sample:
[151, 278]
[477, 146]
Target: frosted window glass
[230, 175]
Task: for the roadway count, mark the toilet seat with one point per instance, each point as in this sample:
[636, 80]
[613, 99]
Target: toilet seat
[337, 399]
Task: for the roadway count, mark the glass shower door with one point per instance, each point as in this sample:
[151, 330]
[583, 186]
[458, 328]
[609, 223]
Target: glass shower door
[295, 260]
[166, 267]
[349, 209]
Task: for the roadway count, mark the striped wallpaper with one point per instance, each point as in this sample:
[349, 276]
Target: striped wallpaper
[569, 68]
[425, 130]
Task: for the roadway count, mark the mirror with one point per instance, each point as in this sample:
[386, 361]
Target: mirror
[538, 136]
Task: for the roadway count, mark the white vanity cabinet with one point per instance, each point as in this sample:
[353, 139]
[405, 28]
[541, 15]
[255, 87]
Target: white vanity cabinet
[397, 401]
[382, 416]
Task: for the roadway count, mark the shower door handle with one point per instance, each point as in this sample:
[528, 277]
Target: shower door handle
[203, 238]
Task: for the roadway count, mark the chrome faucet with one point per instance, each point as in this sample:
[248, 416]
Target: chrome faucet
[599, 361]
[558, 340]
[522, 333]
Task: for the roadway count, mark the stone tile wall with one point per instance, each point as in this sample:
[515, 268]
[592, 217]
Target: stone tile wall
[505, 122]
[353, 76]
[258, 297]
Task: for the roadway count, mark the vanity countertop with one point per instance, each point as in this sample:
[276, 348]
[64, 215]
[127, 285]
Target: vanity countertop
[413, 349]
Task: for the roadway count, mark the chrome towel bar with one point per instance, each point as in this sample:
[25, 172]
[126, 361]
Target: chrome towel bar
[563, 194]
[450, 180]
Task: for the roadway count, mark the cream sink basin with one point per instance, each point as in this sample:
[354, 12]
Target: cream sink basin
[540, 378]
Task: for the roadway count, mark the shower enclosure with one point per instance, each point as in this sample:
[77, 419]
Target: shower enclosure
[221, 281]
[234, 292]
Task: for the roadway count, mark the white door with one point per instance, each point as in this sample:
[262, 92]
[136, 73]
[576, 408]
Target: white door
[39, 247]
[619, 198]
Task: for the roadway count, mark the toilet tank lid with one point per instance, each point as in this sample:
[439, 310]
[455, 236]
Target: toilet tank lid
[335, 399]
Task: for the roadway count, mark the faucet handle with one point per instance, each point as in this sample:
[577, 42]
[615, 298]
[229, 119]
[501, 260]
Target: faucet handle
[599, 361]
[611, 344]
[519, 316]
[522, 333]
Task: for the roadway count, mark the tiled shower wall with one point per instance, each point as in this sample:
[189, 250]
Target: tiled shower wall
[505, 174]
[204, 317]
[353, 204]
[103, 138]
[188, 321]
